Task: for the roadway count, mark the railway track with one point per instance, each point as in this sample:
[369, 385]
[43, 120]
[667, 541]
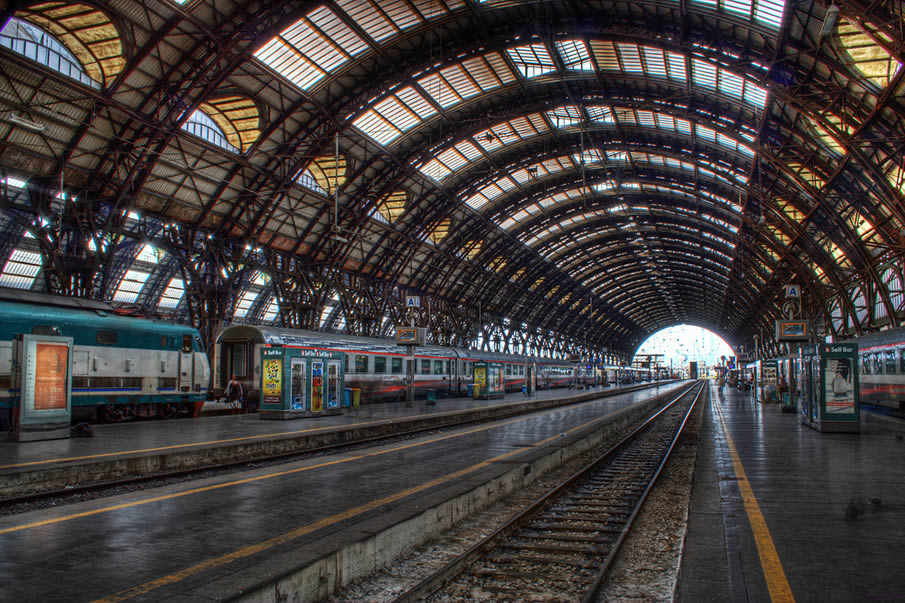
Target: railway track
[561, 547]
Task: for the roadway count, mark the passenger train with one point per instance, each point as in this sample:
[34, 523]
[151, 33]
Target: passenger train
[378, 367]
[882, 376]
[122, 366]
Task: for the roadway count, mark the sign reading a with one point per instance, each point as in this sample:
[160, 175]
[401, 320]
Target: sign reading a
[412, 301]
[793, 291]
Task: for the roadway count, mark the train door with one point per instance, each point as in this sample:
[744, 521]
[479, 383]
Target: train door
[529, 379]
[186, 364]
[236, 359]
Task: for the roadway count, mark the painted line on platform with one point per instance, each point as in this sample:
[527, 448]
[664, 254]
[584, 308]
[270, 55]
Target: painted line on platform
[298, 532]
[774, 574]
[282, 434]
[137, 503]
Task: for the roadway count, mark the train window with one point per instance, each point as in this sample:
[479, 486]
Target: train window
[361, 363]
[186, 344]
[902, 360]
[425, 366]
[396, 365]
[44, 330]
[380, 365]
[876, 364]
[891, 362]
[164, 341]
[508, 370]
[468, 368]
[346, 366]
[449, 367]
[438, 367]
[106, 337]
[865, 365]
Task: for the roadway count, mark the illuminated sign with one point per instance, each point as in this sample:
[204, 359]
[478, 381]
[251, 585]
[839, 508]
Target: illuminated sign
[410, 335]
[792, 330]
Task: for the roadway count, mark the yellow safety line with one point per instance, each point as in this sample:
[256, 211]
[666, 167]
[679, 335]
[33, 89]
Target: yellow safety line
[253, 549]
[777, 584]
[45, 522]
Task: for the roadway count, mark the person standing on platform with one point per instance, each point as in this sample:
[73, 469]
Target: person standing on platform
[234, 391]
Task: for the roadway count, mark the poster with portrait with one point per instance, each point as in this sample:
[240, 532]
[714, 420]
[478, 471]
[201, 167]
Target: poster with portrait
[839, 387]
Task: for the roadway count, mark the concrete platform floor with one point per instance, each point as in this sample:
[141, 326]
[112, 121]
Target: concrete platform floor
[782, 512]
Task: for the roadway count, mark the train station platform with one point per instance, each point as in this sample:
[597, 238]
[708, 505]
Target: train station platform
[782, 512]
[298, 530]
[221, 436]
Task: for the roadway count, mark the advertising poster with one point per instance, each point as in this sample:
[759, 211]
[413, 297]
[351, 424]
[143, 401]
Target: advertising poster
[273, 381]
[840, 388]
[480, 377]
[317, 386]
[50, 378]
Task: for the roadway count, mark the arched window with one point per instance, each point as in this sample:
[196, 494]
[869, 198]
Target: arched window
[201, 125]
[38, 45]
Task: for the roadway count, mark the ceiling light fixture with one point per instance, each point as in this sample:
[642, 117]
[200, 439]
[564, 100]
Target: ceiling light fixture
[26, 123]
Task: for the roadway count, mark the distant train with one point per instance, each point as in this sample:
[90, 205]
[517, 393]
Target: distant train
[122, 367]
[377, 366]
[882, 376]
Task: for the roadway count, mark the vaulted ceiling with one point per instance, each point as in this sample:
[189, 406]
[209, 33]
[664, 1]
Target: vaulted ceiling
[602, 169]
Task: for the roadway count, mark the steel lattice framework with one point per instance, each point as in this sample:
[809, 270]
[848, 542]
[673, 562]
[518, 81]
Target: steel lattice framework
[554, 177]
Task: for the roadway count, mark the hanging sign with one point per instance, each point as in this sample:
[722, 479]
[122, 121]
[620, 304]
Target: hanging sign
[412, 301]
[793, 291]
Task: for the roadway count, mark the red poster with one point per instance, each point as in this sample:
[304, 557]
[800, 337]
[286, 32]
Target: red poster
[51, 362]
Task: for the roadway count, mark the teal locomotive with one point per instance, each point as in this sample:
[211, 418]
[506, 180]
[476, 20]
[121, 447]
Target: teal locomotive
[122, 367]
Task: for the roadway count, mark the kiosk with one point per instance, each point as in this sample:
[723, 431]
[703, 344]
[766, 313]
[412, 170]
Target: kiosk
[489, 380]
[828, 387]
[297, 384]
[766, 381]
[41, 388]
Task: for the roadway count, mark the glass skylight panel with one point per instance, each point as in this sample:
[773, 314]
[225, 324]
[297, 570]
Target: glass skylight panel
[318, 44]
[564, 116]
[443, 93]
[631, 58]
[374, 22]
[531, 61]
[377, 127]
[741, 7]
[654, 61]
[21, 269]
[574, 54]
[460, 81]
[588, 157]
[273, 309]
[147, 254]
[245, 302]
[131, 285]
[600, 113]
[173, 294]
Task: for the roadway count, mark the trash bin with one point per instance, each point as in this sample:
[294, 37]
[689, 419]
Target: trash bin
[356, 397]
[431, 396]
[347, 397]
[469, 389]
